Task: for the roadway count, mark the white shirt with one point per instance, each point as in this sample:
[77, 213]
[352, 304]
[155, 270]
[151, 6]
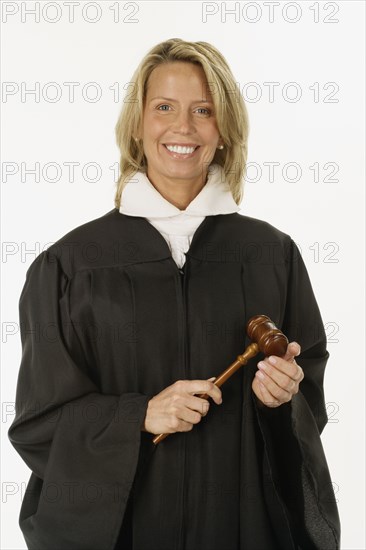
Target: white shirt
[141, 198]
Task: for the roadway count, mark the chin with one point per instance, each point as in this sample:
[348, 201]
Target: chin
[181, 174]
[190, 171]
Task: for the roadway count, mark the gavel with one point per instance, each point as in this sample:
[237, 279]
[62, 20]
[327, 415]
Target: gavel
[265, 337]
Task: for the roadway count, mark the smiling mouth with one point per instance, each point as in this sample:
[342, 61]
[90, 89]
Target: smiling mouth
[181, 151]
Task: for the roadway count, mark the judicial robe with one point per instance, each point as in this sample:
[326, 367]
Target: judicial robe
[108, 321]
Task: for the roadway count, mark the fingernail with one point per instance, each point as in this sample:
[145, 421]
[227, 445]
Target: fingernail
[262, 365]
[259, 374]
[272, 360]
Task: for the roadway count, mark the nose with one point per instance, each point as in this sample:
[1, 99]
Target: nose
[184, 123]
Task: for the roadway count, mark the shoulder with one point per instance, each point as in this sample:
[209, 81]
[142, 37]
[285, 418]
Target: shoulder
[91, 230]
[88, 243]
[255, 229]
[235, 237]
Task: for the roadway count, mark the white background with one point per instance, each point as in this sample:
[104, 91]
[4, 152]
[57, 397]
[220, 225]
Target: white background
[321, 52]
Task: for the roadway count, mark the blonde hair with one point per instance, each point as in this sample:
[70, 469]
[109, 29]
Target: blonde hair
[230, 110]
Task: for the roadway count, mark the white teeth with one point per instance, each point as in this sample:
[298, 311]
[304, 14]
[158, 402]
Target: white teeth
[179, 149]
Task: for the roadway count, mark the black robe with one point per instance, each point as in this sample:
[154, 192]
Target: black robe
[107, 322]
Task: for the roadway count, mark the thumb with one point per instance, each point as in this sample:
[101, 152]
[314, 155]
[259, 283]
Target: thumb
[293, 350]
[211, 379]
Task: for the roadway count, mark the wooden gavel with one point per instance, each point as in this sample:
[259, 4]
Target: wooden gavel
[265, 337]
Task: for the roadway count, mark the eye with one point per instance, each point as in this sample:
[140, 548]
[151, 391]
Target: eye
[207, 112]
[164, 105]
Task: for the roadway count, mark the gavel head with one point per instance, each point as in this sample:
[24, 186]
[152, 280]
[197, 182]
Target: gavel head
[269, 339]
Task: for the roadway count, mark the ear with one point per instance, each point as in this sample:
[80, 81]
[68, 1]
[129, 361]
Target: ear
[138, 134]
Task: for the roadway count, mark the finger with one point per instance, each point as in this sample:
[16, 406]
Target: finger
[267, 398]
[184, 426]
[182, 420]
[288, 368]
[279, 377]
[188, 415]
[197, 404]
[203, 386]
[276, 391]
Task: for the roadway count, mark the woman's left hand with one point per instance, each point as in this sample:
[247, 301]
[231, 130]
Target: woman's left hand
[277, 378]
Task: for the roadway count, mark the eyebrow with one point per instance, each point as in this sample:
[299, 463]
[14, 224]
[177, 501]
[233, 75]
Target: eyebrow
[174, 100]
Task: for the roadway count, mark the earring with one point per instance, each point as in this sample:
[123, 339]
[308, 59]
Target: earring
[220, 147]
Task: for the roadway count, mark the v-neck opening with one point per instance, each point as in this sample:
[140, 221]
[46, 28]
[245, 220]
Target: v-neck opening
[194, 238]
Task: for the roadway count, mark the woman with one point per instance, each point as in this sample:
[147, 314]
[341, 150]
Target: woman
[128, 318]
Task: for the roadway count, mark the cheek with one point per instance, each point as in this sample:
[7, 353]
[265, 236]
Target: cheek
[153, 128]
[211, 134]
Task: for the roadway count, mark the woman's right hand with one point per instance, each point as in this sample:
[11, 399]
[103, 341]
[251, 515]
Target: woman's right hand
[177, 409]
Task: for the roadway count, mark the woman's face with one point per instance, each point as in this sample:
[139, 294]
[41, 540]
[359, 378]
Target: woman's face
[179, 112]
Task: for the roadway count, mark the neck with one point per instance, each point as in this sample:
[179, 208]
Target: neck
[179, 192]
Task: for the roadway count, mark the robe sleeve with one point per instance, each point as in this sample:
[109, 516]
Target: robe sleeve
[294, 457]
[82, 446]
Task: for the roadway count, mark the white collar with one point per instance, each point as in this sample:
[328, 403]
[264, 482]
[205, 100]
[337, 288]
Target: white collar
[141, 198]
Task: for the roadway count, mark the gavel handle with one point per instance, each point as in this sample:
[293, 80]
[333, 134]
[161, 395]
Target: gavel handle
[241, 360]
